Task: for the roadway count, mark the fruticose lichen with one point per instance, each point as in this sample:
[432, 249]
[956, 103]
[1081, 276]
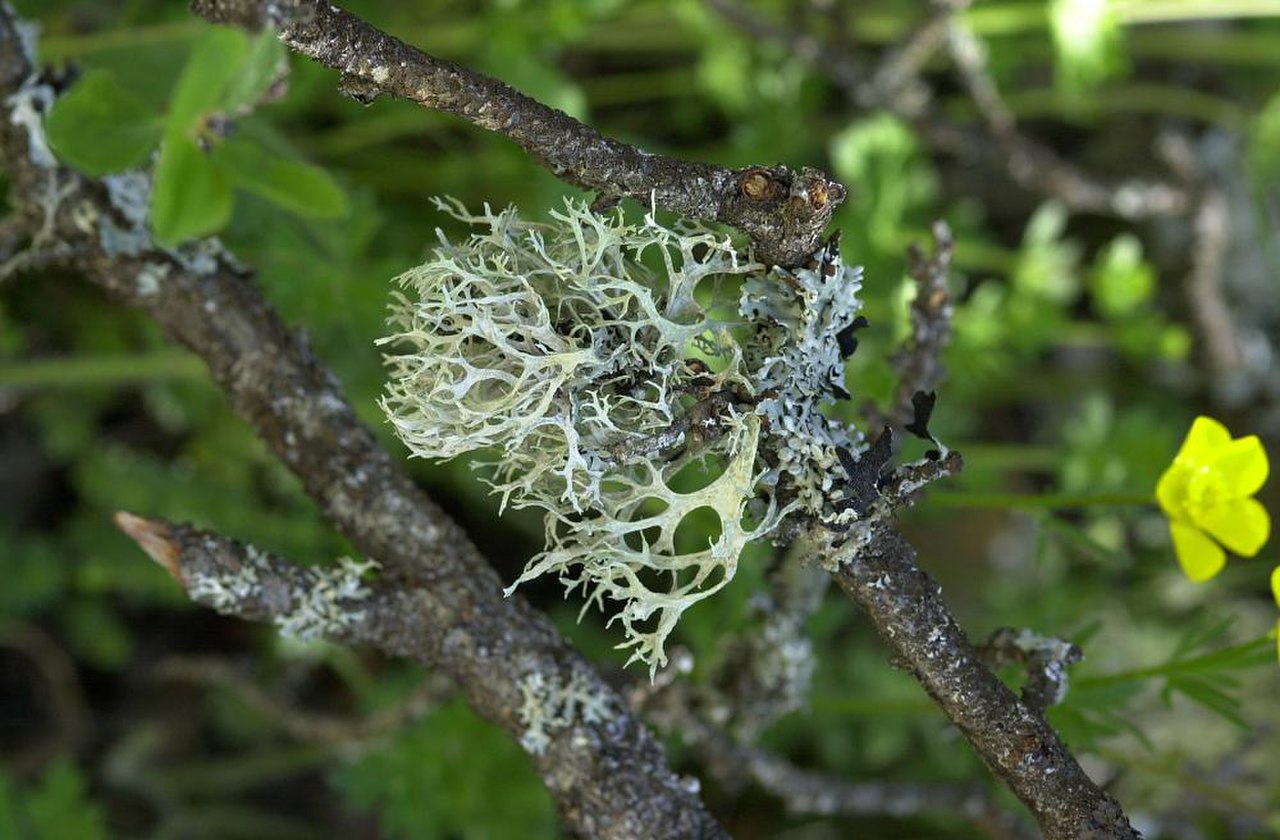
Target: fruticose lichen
[637, 382]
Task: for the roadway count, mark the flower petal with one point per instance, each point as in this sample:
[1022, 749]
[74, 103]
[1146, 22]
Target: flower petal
[1242, 464]
[1200, 557]
[1171, 490]
[1205, 436]
[1242, 525]
[1275, 584]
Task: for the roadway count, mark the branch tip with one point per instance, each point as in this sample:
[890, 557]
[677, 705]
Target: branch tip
[153, 537]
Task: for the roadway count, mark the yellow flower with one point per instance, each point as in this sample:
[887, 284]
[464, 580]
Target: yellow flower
[1205, 493]
[1275, 591]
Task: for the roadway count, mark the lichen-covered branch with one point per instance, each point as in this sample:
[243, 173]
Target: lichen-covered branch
[578, 730]
[878, 571]
[783, 212]
[1045, 659]
[608, 778]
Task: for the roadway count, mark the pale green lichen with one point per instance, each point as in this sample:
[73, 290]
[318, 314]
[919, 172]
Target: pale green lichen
[633, 379]
[321, 605]
[549, 704]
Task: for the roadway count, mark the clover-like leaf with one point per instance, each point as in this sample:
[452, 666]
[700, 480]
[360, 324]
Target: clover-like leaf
[210, 74]
[264, 65]
[191, 196]
[98, 127]
[299, 187]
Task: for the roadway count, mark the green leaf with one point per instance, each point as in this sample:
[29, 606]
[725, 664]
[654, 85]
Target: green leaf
[1046, 268]
[1264, 142]
[191, 195]
[1089, 41]
[208, 75]
[1211, 697]
[295, 186]
[99, 127]
[59, 806]
[1121, 281]
[435, 779]
[265, 64]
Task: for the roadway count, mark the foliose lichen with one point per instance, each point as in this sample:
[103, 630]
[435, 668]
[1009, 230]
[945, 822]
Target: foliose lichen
[320, 605]
[549, 704]
[630, 380]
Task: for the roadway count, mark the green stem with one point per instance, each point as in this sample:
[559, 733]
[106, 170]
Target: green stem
[59, 48]
[94, 371]
[871, 706]
[1011, 456]
[1043, 501]
[1178, 666]
[1137, 98]
[1173, 11]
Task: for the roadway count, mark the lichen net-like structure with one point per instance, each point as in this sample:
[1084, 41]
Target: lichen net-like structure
[627, 379]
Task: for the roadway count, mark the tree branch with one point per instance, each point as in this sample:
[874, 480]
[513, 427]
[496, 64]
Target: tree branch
[608, 778]
[438, 601]
[878, 572]
[783, 212]
[579, 757]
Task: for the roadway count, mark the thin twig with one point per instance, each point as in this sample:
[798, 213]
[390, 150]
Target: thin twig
[1209, 311]
[62, 701]
[303, 724]
[1028, 163]
[783, 212]
[918, 361]
[878, 572]
[1038, 168]
[1045, 659]
[675, 709]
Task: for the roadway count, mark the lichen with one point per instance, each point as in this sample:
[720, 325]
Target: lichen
[551, 704]
[324, 607]
[633, 380]
[27, 107]
[320, 601]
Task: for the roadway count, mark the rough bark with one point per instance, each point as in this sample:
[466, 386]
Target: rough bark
[879, 573]
[783, 212]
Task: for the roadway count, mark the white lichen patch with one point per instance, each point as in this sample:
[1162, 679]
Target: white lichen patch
[319, 602]
[549, 704]
[150, 278]
[325, 607]
[226, 592]
[799, 366]
[637, 381]
[27, 108]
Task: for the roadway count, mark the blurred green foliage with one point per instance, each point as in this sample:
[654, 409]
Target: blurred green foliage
[56, 806]
[1072, 377]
